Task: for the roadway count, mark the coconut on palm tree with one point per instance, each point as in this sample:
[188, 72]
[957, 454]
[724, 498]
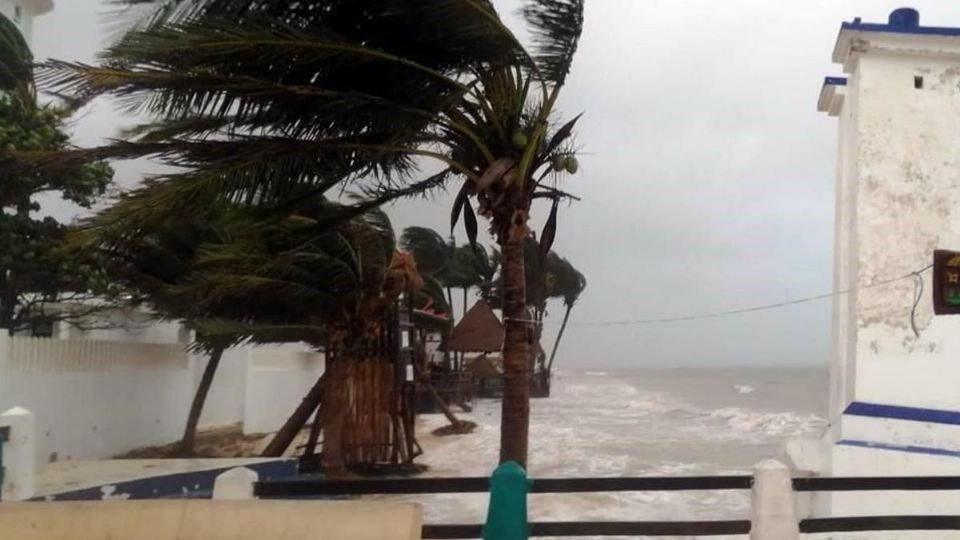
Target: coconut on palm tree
[278, 101]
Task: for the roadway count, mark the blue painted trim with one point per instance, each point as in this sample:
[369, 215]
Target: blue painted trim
[896, 412]
[834, 81]
[189, 485]
[897, 29]
[899, 448]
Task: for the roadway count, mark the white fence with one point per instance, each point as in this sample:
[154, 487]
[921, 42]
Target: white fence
[96, 399]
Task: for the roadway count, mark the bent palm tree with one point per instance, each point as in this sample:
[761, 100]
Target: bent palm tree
[569, 284]
[454, 267]
[238, 274]
[257, 99]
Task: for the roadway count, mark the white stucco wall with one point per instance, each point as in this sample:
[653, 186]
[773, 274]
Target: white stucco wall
[277, 380]
[96, 399]
[898, 199]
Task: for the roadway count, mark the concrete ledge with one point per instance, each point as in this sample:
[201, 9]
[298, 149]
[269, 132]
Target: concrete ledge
[211, 520]
[147, 479]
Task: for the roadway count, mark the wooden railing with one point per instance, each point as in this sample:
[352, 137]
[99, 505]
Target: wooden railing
[319, 488]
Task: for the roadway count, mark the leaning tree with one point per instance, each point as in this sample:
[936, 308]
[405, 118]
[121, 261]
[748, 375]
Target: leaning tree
[255, 100]
[244, 274]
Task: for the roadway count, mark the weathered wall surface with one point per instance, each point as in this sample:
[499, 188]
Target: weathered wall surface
[906, 204]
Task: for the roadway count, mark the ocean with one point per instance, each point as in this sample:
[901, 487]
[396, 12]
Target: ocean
[637, 422]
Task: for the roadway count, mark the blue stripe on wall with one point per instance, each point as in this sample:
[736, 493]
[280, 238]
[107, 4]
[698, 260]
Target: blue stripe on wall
[899, 448]
[914, 414]
[188, 485]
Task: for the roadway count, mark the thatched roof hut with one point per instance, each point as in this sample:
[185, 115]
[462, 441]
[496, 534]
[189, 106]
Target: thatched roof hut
[479, 331]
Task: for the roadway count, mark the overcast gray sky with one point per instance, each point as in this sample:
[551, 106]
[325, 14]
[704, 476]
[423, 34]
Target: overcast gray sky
[707, 176]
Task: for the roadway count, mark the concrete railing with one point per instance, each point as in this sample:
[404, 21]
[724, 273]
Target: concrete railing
[232, 514]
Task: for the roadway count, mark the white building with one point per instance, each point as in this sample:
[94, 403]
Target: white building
[895, 394]
[22, 13]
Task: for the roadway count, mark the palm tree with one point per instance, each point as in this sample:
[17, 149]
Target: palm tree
[569, 284]
[257, 99]
[455, 267]
[239, 274]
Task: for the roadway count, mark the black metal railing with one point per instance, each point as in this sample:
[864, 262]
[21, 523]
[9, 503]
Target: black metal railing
[879, 523]
[310, 489]
[319, 488]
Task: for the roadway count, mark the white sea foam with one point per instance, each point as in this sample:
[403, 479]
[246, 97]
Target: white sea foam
[744, 389]
[784, 424]
[605, 426]
[596, 373]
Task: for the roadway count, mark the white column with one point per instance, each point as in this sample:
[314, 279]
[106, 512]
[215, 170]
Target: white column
[774, 514]
[18, 455]
[235, 485]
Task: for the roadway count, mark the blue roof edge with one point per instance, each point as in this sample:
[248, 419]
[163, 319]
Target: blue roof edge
[900, 29]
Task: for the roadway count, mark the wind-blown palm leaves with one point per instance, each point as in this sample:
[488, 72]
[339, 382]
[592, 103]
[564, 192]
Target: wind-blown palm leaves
[569, 284]
[454, 267]
[258, 100]
[236, 275]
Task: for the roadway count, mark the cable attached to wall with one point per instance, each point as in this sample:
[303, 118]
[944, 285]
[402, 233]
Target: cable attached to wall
[916, 274]
[917, 295]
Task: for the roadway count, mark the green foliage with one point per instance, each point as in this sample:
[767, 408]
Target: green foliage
[257, 100]
[237, 273]
[34, 271]
[456, 267]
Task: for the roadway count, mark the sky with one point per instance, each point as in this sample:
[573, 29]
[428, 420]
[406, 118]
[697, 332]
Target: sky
[707, 175]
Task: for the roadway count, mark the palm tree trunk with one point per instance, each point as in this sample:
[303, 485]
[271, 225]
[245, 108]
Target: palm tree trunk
[563, 326]
[282, 440]
[515, 424]
[450, 301]
[334, 418]
[464, 301]
[188, 442]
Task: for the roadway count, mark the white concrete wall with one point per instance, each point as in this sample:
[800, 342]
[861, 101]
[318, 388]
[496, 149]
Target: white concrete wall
[277, 380]
[225, 402]
[855, 461]
[96, 399]
[907, 205]
[898, 199]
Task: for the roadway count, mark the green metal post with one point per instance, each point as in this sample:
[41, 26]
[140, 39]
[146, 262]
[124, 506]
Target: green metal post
[507, 513]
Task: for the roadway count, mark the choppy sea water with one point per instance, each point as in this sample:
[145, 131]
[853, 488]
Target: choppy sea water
[637, 423]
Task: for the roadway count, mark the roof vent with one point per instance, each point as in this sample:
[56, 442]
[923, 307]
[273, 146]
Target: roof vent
[905, 18]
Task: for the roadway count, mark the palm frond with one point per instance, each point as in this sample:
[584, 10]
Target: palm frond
[556, 26]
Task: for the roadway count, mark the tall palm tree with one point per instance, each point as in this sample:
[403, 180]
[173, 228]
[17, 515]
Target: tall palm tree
[569, 284]
[257, 99]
